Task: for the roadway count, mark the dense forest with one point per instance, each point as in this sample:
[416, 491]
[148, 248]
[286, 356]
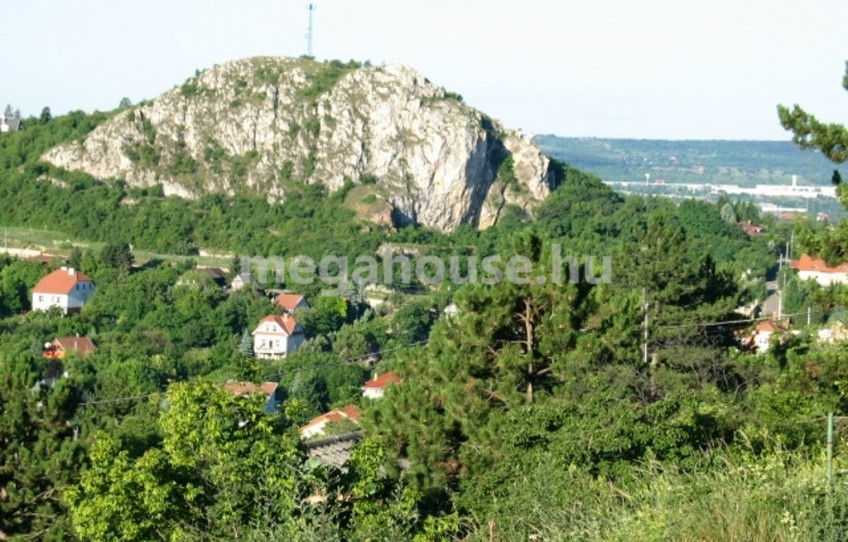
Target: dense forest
[625, 409]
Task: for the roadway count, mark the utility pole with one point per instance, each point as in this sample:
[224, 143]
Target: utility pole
[645, 306]
[829, 470]
[809, 316]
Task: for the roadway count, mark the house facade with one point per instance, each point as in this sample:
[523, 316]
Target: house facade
[65, 288]
[276, 336]
[811, 268]
[376, 387]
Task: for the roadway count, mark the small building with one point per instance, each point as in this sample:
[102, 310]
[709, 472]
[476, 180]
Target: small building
[291, 302]
[376, 387]
[751, 230]
[268, 389]
[65, 288]
[61, 347]
[759, 339]
[812, 268]
[9, 124]
[276, 336]
[242, 280]
[316, 426]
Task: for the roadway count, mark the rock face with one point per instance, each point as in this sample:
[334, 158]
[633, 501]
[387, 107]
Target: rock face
[261, 124]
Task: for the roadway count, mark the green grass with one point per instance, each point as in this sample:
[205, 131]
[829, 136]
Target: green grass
[58, 244]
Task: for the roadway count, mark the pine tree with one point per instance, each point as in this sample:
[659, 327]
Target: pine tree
[831, 139]
[246, 345]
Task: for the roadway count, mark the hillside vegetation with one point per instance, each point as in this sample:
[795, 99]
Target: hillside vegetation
[617, 405]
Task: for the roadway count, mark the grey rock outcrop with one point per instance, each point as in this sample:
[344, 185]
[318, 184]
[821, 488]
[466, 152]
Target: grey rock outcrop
[258, 125]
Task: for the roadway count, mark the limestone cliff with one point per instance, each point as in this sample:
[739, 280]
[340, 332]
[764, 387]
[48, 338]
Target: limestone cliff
[258, 125]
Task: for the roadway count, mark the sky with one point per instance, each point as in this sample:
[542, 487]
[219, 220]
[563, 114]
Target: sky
[658, 69]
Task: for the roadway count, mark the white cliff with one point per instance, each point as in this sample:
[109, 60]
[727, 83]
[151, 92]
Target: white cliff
[261, 124]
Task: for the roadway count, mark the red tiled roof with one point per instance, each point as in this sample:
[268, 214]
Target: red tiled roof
[810, 263]
[249, 388]
[60, 282]
[350, 412]
[382, 381]
[285, 321]
[81, 345]
[288, 301]
[770, 325]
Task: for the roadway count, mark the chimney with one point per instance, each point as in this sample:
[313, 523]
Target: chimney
[71, 271]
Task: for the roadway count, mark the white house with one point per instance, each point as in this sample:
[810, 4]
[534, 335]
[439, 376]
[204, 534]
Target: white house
[9, 124]
[316, 426]
[810, 268]
[249, 388]
[760, 339]
[376, 387]
[276, 336]
[65, 288]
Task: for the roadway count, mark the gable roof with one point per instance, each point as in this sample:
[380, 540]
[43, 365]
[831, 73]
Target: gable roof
[81, 345]
[285, 321]
[60, 282]
[766, 326]
[249, 388]
[382, 381]
[289, 301]
[350, 412]
[811, 263]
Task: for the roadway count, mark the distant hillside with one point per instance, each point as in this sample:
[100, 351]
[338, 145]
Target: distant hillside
[745, 163]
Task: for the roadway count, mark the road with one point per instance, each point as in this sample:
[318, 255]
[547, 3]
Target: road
[772, 301]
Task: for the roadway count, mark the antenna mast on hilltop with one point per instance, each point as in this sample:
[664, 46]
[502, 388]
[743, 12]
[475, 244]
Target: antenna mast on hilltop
[311, 8]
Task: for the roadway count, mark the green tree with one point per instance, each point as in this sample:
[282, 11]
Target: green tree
[810, 133]
[117, 256]
[45, 116]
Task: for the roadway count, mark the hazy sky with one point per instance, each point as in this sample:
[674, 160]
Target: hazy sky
[605, 68]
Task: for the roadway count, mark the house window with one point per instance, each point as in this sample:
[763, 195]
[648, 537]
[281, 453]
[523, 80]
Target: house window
[41, 298]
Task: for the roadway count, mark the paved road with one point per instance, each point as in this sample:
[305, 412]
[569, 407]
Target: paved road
[770, 305]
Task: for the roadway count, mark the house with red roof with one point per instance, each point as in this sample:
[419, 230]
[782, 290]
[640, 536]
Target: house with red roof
[248, 389]
[376, 387]
[759, 339]
[276, 336]
[291, 302]
[61, 347]
[316, 426]
[812, 268]
[65, 288]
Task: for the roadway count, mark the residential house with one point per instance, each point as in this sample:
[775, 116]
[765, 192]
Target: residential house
[9, 124]
[61, 347]
[759, 339]
[376, 387]
[750, 229]
[812, 268]
[65, 288]
[243, 389]
[276, 336]
[316, 426]
[291, 302]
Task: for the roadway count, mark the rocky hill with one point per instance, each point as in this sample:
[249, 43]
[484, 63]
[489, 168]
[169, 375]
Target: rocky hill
[258, 125]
